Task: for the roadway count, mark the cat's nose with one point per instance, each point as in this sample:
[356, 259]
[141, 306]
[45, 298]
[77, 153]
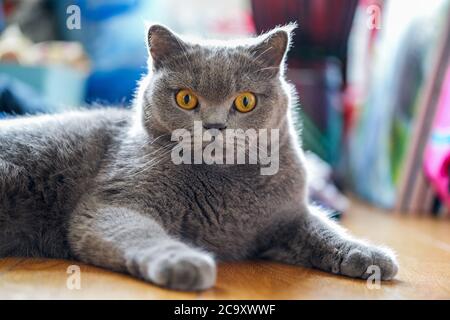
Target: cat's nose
[219, 126]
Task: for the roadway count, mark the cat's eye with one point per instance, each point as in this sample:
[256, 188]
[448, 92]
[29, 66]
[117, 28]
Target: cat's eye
[245, 102]
[186, 99]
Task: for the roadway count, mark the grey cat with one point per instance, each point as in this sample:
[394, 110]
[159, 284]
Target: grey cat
[99, 186]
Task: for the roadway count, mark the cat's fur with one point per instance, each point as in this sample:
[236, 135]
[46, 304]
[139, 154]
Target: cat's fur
[100, 186]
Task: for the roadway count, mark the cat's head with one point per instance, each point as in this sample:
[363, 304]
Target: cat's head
[231, 84]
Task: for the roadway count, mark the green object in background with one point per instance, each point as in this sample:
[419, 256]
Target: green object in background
[319, 88]
[312, 139]
[59, 85]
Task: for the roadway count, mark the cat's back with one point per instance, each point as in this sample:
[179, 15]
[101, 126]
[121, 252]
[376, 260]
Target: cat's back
[38, 145]
[40, 135]
[46, 163]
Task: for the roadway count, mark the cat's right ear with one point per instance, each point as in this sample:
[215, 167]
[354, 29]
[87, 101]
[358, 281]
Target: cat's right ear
[162, 44]
[273, 46]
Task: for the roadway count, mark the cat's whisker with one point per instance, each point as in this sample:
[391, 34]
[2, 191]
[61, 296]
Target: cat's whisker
[266, 68]
[158, 153]
[159, 137]
[158, 158]
[255, 59]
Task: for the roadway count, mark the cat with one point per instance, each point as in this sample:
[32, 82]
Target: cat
[99, 186]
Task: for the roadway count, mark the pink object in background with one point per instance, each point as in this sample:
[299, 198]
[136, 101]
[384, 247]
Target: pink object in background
[437, 152]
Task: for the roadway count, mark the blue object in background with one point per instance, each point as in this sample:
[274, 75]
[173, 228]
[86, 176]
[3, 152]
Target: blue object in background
[63, 87]
[112, 86]
[113, 34]
[334, 113]
[2, 18]
[107, 9]
[18, 98]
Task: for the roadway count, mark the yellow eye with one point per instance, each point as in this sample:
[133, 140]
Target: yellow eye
[245, 102]
[186, 99]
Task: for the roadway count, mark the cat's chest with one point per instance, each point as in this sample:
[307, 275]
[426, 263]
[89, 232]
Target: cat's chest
[225, 196]
[223, 213]
[220, 212]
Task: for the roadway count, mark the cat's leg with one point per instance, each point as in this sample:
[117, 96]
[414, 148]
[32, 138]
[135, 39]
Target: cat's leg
[311, 239]
[123, 240]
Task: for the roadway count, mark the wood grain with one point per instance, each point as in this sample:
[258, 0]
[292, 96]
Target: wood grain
[422, 244]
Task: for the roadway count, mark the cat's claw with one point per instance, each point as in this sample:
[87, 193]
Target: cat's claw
[357, 262]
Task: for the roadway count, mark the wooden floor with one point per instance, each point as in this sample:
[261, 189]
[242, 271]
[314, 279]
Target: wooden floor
[423, 247]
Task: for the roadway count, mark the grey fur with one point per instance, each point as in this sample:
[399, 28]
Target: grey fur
[99, 186]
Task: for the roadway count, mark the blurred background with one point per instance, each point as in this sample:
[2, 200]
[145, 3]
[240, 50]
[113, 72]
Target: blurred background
[373, 79]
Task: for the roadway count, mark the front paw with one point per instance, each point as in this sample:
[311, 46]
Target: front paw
[184, 271]
[357, 261]
[174, 267]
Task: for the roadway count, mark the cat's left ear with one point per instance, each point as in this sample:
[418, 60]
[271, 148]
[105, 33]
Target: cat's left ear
[271, 50]
[163, 44]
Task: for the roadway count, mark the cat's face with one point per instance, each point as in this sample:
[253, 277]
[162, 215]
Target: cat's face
[226, 85]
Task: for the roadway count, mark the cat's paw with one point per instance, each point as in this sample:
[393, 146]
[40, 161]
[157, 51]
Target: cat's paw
[357, 261]
[183, 270]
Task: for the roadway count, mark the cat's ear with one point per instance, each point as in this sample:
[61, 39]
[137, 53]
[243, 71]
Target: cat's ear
[163, 44]
[272, 47]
